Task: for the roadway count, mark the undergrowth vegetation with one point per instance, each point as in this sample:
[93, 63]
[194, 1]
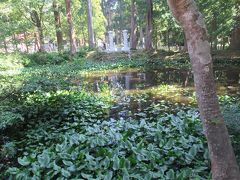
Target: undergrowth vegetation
[54, 126]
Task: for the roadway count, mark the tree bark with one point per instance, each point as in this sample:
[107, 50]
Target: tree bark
[149, 26]
[223, 161]
[73, 48]
[235, 39]
[141, 38]
[235, 35]
[133, 36]
[58, 28]
[90, 25]
[37, 20]
[37, 44]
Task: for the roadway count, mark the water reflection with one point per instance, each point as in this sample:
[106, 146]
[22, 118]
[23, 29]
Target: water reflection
[179, 87]
[227, 78]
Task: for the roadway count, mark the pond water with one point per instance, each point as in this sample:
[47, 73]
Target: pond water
[225, 78]
[149, 87]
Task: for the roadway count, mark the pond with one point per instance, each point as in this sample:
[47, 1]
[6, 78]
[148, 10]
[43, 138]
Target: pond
[148, 87]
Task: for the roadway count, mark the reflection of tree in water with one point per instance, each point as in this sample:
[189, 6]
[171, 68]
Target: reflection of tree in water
[141, 80]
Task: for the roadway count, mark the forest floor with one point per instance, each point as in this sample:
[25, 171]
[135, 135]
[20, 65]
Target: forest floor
[108, 116]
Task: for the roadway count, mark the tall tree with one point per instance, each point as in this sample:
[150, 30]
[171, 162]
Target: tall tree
[133, 36]
[33, 12]
[223, 161]
[149, 25]
[90, 25]
[73, 46]
[57, 19]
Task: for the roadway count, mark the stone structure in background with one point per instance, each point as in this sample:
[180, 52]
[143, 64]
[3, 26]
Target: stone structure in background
[125, 41]
[111, 45]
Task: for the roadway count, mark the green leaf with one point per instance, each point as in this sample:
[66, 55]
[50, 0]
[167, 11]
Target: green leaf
[108, 175]
[67, 163]
[193, 151]
[116, 163]
[65, 173]
[125, 174]
[170, 174]
[23, 161]
[44, 159]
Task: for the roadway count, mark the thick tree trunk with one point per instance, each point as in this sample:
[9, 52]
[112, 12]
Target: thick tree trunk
[133, 36]
[149, 26]
[73, 47]
[58, 28]
[90, 25]
[223, 161]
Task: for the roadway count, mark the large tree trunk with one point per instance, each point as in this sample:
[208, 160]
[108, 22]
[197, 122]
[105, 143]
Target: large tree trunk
[223, 161]
[149, 26]
[73, 47]
[58, 28]
[133, 36]
[90, 25]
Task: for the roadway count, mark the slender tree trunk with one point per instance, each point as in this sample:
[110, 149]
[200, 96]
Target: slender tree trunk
[214, 29]
[235, 35]
[223, 161]
[41, 38]
[73, 47]
[133, 36]
[58, 28]
[15, 41]
[121, 20]
[141, 37]
[149, 26]
[235, 39]
[90, 25]
[5, 45]
[26, 41]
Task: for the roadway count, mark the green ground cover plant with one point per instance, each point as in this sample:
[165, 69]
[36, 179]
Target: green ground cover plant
[54, 127]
